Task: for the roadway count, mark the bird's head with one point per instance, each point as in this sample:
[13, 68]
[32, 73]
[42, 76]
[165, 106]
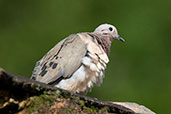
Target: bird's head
[107, 29]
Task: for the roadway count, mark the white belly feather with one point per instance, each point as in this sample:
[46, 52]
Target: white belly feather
[89, 73]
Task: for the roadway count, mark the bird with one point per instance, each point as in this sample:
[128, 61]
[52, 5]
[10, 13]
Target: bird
[78, 62]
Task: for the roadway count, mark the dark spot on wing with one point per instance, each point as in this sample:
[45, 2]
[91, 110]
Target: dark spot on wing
[33, 78]
[51, 63]
[43, 73]
[54, 65]
[44, 67]
[87, 54]
[56, 57]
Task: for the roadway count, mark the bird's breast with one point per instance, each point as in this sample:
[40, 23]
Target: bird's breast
[90, 73]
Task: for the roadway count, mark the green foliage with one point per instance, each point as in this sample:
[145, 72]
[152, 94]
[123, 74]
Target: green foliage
[139, 70]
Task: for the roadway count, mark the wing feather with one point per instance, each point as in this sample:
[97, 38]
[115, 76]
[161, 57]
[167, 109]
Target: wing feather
[61, 61]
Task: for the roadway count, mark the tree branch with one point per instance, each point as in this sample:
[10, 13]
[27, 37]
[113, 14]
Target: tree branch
[24, 96]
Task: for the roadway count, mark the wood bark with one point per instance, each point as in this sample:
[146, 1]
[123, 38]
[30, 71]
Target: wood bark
[24, 96]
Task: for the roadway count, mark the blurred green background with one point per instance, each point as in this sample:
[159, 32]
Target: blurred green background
[139, 70]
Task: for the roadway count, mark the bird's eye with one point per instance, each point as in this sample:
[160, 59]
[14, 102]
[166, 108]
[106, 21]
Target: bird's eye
[110, 28]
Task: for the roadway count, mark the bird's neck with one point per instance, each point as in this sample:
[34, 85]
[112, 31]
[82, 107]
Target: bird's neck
[104, 41]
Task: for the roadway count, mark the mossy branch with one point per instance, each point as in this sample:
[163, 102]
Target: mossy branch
[24, 96]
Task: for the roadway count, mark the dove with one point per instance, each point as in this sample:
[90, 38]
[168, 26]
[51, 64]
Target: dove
[78, 62]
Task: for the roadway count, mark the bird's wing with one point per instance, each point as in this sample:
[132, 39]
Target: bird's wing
[61, 61]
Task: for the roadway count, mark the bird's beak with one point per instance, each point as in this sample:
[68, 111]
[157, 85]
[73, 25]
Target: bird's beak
[120, 38]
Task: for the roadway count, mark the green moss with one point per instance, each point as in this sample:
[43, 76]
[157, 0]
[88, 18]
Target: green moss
[93, 108]
[81, 102]
[104, 109]
[57, 92]
[38, 88]
[72, 104]
[39, 102]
